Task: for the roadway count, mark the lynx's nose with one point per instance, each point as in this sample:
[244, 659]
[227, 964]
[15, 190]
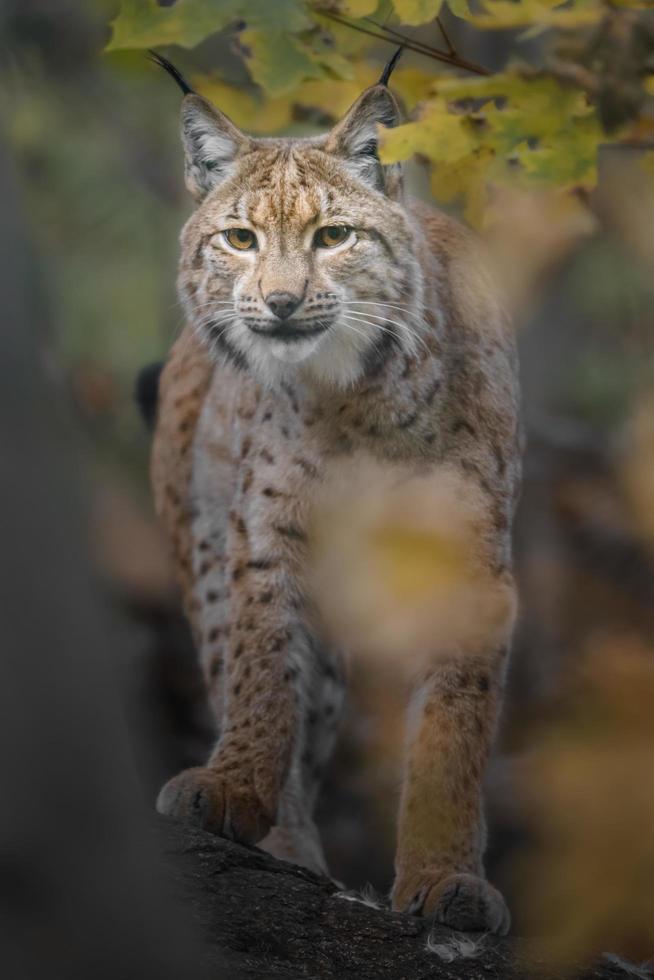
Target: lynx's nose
[282, 304]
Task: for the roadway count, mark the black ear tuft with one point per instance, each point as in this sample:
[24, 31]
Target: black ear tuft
[168, 66]
[390, 67]
[211, 140]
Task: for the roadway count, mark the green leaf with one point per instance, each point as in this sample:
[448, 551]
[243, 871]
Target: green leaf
[349, 43]
[320, 46]
[568, 159]
[144, 24]
[277, 61]
[417, 11]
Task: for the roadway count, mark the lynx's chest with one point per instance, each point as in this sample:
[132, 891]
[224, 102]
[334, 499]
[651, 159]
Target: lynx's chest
[287, 444]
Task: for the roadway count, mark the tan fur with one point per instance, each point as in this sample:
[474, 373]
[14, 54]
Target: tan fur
[247, 428]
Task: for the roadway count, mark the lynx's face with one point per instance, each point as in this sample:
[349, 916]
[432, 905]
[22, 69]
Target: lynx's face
[300, 256]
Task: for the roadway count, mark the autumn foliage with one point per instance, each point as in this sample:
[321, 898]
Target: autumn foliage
[580, 75]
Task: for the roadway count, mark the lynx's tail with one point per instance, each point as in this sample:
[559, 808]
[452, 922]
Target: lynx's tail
[146, 392]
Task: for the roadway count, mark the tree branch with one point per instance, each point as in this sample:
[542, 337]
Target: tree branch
[391, 37]
[267, 919]
[446, 37]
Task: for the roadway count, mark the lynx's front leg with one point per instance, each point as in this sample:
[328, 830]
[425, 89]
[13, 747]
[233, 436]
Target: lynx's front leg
[237, 793]
[441, 834]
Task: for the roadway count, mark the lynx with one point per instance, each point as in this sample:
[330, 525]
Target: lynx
[328, 316]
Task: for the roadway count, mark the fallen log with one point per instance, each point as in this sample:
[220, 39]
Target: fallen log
[264, 919]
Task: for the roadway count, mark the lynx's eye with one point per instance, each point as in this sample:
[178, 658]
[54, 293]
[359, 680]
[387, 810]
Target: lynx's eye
[241, 238]
[332, 235]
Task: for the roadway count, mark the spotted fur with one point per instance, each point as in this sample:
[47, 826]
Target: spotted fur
[400, 351]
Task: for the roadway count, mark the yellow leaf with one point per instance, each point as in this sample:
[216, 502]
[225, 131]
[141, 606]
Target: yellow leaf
[335, 96]
[358, 8]
[417, 11]
[465, 179]
[396, 562]
[438, 134]
[414, 562]
[332, 96]
[412, 84]
[255, 115]
[525, 131]
[400, 143]
[568, 158]
[460, 8]
[502, 14]
[528, 92]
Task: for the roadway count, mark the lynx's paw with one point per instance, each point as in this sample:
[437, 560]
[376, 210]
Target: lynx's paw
[209, 799]
[461, 901]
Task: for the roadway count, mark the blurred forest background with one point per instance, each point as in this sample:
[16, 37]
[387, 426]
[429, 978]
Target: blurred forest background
[566, 201]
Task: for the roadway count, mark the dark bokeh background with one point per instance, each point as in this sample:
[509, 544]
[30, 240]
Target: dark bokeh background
[97, 197]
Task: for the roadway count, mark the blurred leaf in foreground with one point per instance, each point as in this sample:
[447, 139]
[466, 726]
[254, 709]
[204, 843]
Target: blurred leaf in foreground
[587, 884]
[400, 572]
[530, 233]
[638, 465]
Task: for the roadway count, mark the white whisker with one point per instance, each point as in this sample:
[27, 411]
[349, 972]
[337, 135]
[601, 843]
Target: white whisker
[210, 318]
[370, 339]
[406, 312]
[349, 326]
[222, 320]
[366, 323]
[212, 306]
[411, 335]
[390, 306]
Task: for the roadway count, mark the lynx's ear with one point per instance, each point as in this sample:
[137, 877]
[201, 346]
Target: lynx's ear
[355, 139]
[211, 145]
[211, 141]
